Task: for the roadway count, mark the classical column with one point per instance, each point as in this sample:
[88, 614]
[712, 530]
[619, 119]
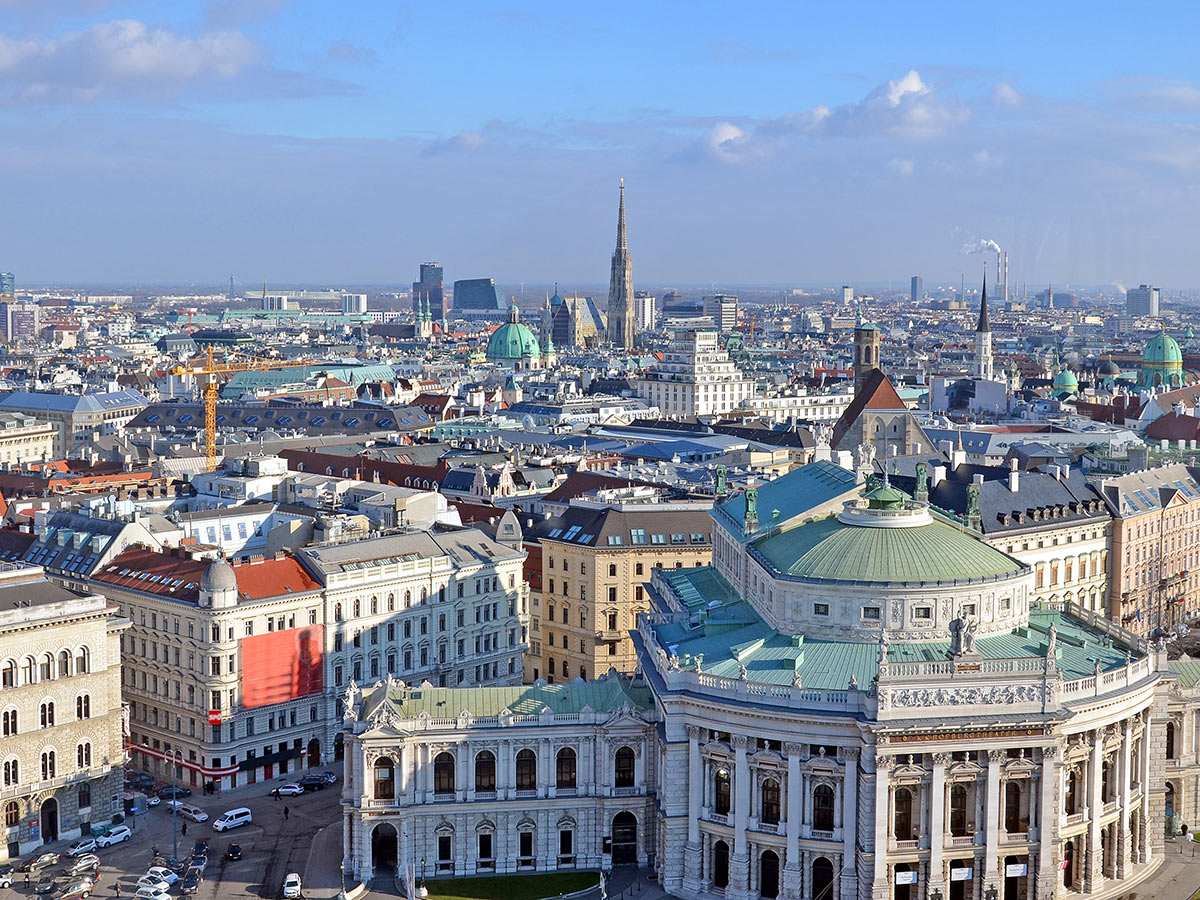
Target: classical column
[848, 881]
[792, 871]
[991, 867]
[1094, 871]
[693, 855]
[937, 824]
[1123, 774]
[1048, 819]
[1144, 778]
[883, 767]
[739, 863]
[546, 784]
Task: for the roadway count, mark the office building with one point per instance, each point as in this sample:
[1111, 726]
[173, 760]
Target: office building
[78, 418]
[8, 284]
[917, 289]
[723, 310]
[620, 287]
[1142, 300]
[60, 667]
[479, 296]
[847, 295]
[643, 310]
[21, 321]
[25, 439]
[428, 294]
[354, 304]
[695, 378]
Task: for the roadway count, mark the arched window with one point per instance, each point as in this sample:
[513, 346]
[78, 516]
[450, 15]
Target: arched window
[624, 770]
[64, 663]
[46, 667]
[12, 772]
[720, 864]
[8, 675]
[28, 670]
[770, 801]
[357, 608]
[83, 707]
[49, 768]
[1071, 800]
[46, 714]
[9, 723]
[526, 770]
[391, 602]
[1012, 808]
[12, 814]
[83, 755]
[337, 612]
[385, 778]
[407, 599]
[374, 605]
[902, 817]
[823, 808]
[424, 595]
[1170, 740]
[443, 773]
[485, 771]
[721, 792]
[83, 661]
[564, 768]
[958, 810]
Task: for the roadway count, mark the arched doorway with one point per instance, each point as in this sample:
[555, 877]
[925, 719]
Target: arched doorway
[720, 864]
[49, 817]
[1016, 877]
[1069, 865]
[1169, 803]
[905, 876]
[768, 874]
[624, 838]
[314, 753]
[822, 879]
[384, 848]
[339, 748]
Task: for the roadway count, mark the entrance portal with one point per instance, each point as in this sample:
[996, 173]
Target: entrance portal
[624, 838]
[314, 753]
[384, 848]
[49, 817]
[822, 879]
[768, 874]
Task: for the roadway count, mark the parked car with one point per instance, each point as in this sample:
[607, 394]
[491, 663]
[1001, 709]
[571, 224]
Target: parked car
[162, 872]
[145, 893]
[191, 881]
[169, 862]
[234, 852]
[115, 835]
[140, 780]
[83, 845]
[200, 848]
[7, 873]
[291, 887]
[170, 792]
[153, 799]
[289, 789]
[77, 890]
[313, 782]
[329, 777]
[46, 884]
[153, 881]
[44, 861]
[83, 864]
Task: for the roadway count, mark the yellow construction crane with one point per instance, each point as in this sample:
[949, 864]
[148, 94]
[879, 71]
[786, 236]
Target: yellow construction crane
[208, 368]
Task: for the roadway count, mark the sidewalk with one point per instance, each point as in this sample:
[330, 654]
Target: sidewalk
[323, 875]
[1178, 877]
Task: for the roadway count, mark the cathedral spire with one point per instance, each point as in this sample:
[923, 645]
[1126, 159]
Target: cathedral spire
[621, 245]
[983, 325]
[620, 287]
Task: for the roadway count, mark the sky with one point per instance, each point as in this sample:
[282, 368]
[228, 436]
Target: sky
[336, 143]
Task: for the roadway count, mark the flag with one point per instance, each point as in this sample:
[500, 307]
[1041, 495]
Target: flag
[1139, 615]
[1063, 865]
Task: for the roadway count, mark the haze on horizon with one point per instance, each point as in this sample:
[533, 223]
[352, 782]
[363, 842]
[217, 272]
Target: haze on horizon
[784, 144]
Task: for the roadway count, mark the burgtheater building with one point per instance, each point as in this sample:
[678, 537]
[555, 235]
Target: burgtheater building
[863, 702]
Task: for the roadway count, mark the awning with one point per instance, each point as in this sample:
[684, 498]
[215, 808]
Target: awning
[271, 759]
[215, 772]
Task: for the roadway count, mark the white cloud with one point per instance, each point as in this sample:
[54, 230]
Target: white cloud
[118, 56]
[986, 159]
[903, 167]
[1006, 95]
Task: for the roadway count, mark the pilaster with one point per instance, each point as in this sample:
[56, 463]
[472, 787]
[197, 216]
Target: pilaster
[793, 874]
[1093, 870]
[847, 882]
[1048, 875]
[937, 824]
[880, 889]
[739, 860]
[693, 861]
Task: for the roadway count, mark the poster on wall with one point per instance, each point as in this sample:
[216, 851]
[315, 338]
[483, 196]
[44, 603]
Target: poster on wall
[906, 878]
[281, 665]
[1016, 870]
[962, 873]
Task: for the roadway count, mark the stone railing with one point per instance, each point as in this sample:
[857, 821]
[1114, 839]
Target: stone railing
[1105, 682]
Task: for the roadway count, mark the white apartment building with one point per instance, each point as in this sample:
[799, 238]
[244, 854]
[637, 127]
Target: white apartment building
[24, 439]
[802, 406]
[695, 378]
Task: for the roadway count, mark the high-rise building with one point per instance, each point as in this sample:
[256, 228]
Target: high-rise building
[428, 294]
[20, 321]
[643, 310]
[620, 287]
[354, 304]
[723, 309]
[917, 291]
[8, 284]
[847, 295]
[479, 295]
[1142, 300]
[695, 378]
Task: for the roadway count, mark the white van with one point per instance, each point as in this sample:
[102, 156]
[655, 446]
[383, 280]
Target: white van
[233, 818]
[193, 813]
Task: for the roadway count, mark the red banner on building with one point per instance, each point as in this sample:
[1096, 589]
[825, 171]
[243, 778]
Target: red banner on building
[281, 666]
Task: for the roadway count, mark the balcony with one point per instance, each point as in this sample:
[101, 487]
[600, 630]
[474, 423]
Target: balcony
[962, 840]
[605, 635]
[376, 802]
[819, 835]
[907, 845]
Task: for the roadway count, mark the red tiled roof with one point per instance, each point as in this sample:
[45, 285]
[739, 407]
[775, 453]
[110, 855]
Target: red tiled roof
[1174, 427]
[260, 579]
[147, 571]
[877, 393]
[580, 483]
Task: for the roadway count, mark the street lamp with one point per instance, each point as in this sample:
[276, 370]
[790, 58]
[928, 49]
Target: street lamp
[422, 891]
[342, 868]
[175, 804]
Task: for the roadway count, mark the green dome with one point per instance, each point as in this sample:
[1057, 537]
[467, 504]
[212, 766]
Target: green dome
[885, 497]
[832, 550]
[1066, 380]
[513, 341]
[1162, 350]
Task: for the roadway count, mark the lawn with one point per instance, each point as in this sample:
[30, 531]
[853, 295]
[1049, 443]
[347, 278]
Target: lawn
[511, 887]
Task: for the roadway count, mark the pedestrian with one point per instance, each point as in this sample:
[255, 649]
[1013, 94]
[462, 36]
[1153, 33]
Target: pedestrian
[26, 879]
[183, 830]
[286, 813]
[275, 793]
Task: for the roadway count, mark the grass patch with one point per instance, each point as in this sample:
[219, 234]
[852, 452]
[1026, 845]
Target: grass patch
[511, 887]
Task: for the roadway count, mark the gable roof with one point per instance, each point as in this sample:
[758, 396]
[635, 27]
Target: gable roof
[877, 393]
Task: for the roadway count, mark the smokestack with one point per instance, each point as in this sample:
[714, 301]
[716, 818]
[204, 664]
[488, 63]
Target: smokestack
[1005, 276]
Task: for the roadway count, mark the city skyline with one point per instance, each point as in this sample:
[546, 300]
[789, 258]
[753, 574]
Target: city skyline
[276, 139]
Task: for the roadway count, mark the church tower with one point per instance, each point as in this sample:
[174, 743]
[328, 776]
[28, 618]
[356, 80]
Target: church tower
[620, 287]
[983, 338]
[866, 351]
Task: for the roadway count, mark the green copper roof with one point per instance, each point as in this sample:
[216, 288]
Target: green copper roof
[1162, 349]
[886, 497]
[606, 694]
[830, 550]
[512, 340]
[1066, 378]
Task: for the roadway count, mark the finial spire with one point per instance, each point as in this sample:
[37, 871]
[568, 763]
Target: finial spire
[983, 325]
[621, 245]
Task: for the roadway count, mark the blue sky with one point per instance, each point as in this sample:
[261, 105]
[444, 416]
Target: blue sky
[789, 143]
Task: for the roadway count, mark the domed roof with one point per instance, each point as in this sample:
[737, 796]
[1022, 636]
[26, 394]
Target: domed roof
[512, 340]
[1162, 349]
[219, 576]
[1108, 367]
[885, 497]
[1066, 379]
[833, 550]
